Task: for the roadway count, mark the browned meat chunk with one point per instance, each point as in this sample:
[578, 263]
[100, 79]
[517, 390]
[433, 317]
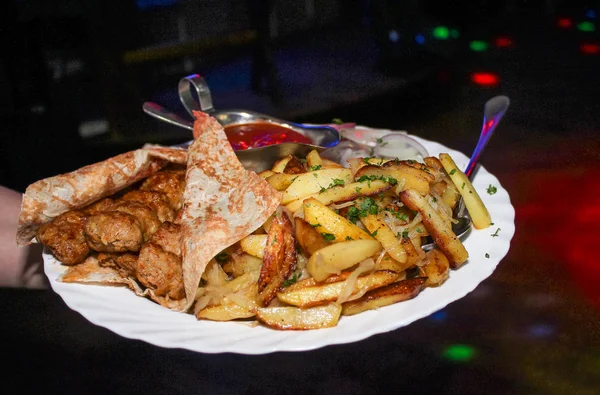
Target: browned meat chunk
[113, 231]
[169, 182]
[125, 263]
[159, 264]
[64, 237]
[157, 201]
[147, 218]
[101, 205]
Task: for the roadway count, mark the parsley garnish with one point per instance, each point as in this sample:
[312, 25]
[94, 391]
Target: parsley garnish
[491, 190]
[316, 175]
[452, 171]
[274, 240]
[495, 234]
[367, 159]
[336, 182]
[315, 167]
[419, 230]
[315, 225]
[337, 121]
[405, 235]
[328, 236]
[358, 189]
[487, 255]
[462, 186]
[353, 214]
[291, 280]
[375, 233]
[389, 179]
[349, 238]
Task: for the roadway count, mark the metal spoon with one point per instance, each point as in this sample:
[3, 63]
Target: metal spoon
[493, 111]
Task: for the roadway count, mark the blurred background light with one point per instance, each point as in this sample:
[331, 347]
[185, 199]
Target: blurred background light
[591, 14]
[478, 45]
[420, 39]
[441, 32]
[454, 33]
[541, 330]
[586, 26]
[485, 79]
[393, 36]
[459, 352]
[503, 42]
[590, 49]
[564, 22]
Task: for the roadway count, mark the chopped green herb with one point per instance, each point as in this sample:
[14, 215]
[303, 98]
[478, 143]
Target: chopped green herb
[315, 225]
[353, 214]
[328, 236]
[495, 234]
[405, 235]
[367, 159]
[358, 189]
[274, 240]
[390, 180]
[222, 257]
[452, 171]
[291, 280]
[323, 189]
[419, 230]
[434, 199]
[336, 182]
[379, 140]
[462, 186]
[487, 255]
[337, 121]
[316, 175]
[411, 162]
[348, 238]
[303, 160]
[491, 190]
[375, 233]
[315, 167]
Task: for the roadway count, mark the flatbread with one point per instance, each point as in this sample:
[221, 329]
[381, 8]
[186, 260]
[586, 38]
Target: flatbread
[46, 199]
[223, 202]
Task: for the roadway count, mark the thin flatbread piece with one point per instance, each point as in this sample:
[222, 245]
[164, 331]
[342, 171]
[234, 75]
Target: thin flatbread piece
[223, 202]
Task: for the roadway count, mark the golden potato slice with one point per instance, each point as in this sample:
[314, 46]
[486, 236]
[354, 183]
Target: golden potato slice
[339, 256]
[266, 173]
[309, 239]
[344, 193]
[440, 230]
[437, 268]
[477, 210]
[254, 245]
[295, 318]
[323, 293]
[414, 178]
[388, 263]
[383, 234]
[279, 260]
[225, 312]
[242, 263]
[327, 164]
[281, 181]
[385, 296]
[327, 222]
[313, 159]
[280, 165]
[310, 183]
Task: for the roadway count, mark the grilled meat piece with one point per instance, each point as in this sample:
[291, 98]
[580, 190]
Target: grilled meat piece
[157, 201]
[64, 237]
[169, 182]
[113, 231]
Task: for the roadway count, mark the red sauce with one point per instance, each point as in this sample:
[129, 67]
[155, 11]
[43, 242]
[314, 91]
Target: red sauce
[252, 135]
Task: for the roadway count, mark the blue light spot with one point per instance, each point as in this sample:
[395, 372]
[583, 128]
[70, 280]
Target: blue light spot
[420, 39]
[393, 36]
[149, 4]
[591, 14]
[439, 316]
[541, 330]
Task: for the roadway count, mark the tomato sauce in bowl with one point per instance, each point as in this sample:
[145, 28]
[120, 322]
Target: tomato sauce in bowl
[261, 134]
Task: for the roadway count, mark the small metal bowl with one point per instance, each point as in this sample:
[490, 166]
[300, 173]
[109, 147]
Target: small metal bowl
[257, 159]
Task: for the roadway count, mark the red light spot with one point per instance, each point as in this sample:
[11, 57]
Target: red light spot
[590, 49]
[502, 42]
[486, 79]
[565, 23]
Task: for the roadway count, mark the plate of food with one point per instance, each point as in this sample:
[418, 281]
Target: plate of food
[188, 249]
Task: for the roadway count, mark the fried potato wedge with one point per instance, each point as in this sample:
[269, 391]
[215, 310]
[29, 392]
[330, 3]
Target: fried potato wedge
[310, 183]
[279, 259]
[326, 221]
[414, 178]
[388, 263]
[383, 234]
[279, 166]
[313, 159]
[477, 210]
[254, 245]
[323, 293]
[281, 181]
[328, 164]
[437, 268]
[385, 296]
[266, 173]
[340, 256]
[344, 193]
[294, 166]
[240, 264]
[295, 318]
[225, 312]
[309, 239]
[438, 228]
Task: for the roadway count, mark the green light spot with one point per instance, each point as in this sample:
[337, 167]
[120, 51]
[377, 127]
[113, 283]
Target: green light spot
[441, 32]
[586, 26]
[478, 46]
[454, 33]
[459, 353]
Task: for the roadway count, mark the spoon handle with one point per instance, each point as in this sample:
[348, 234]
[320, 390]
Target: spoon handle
[493, 112]
[159, 112]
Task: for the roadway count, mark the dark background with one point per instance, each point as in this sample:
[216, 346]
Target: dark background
[73, 77]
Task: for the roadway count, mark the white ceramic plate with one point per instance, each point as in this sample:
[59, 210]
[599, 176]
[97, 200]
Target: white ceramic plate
[128, 315]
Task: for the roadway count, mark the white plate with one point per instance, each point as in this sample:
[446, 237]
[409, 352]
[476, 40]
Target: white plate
[128, 315]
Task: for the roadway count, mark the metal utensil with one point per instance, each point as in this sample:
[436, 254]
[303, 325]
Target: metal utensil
[195, 96]
[493, 111]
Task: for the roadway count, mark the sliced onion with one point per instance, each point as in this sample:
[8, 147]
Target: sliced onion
[399, 145]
